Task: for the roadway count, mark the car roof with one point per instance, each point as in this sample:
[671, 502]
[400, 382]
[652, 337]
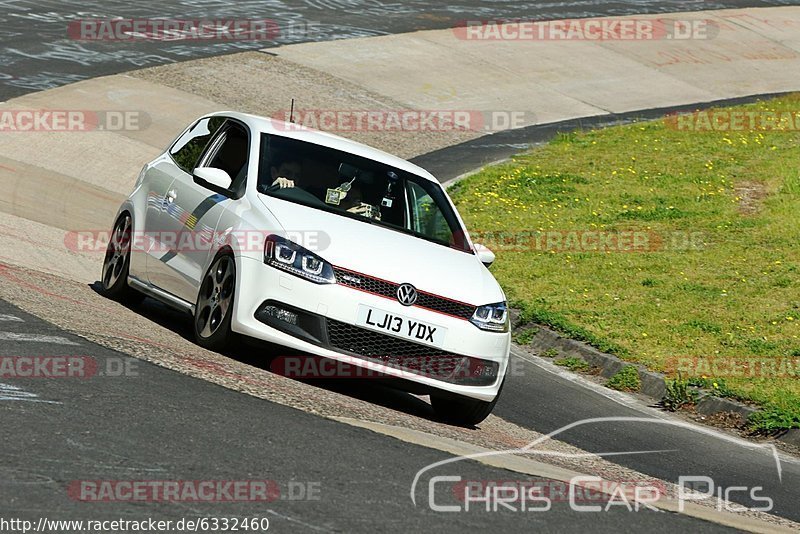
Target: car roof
[317, 137]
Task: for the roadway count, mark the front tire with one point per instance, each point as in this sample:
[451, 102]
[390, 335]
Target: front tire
[117, 262]
[214, 308]
[463, 411]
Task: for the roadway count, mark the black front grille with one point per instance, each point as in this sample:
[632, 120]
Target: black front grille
[365, 283]
[443, 305]
[389, 290]
[412, 357]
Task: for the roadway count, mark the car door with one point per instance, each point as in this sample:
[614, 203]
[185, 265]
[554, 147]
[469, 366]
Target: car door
[179, 161]
[193, 210]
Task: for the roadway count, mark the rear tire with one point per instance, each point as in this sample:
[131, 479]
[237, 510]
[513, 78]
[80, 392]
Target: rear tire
[463, 411]
[214, 308]
[117, 262]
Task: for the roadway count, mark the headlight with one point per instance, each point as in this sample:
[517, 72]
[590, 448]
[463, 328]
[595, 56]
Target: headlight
[292, 258]
[491, 317]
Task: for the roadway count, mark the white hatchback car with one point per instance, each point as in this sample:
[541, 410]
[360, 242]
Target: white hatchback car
[319, 244]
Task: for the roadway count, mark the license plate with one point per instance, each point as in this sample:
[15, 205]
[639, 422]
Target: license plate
[401, 326]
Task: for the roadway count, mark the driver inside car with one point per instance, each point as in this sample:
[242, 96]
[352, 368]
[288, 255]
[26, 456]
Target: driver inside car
[285, 174]
[288, 174]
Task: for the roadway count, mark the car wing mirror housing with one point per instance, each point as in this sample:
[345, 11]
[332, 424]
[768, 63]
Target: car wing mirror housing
[212, 178]
[484, 254]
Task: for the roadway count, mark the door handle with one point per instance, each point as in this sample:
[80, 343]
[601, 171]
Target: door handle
[172, 195]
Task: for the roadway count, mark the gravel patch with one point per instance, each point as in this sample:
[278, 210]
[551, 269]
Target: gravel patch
[263, 84]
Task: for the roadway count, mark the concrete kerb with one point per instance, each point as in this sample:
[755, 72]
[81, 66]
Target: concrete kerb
[792, 437]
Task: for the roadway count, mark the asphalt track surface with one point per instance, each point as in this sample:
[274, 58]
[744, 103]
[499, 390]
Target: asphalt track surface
[547, 402]
[155, 424]
[36, 52]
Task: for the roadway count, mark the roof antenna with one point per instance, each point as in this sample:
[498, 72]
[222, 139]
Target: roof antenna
[291, 113]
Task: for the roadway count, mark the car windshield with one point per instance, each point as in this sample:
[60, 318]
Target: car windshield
[359, 188]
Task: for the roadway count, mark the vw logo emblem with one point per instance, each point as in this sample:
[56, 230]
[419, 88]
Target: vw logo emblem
[407, 294]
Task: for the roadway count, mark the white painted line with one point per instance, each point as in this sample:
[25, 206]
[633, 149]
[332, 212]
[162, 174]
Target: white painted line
[616, 396]
[14, 393]
[10, 318]
[14, 336]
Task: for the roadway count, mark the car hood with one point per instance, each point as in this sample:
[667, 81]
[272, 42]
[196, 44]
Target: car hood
[387, 254]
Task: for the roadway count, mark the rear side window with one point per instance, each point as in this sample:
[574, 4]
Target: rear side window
[431, 216]
[427, 218]
[187, 150]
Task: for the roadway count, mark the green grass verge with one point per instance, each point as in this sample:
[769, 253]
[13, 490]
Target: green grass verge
[719, 277]
[626, 379]
[525, 336]
[573, 364]
[552, 352]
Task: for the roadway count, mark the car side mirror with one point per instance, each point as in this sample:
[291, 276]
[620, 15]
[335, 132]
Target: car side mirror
[213, 178]
[484, 254]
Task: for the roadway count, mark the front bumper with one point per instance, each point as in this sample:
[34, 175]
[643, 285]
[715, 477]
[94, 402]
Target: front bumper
[470, 362]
